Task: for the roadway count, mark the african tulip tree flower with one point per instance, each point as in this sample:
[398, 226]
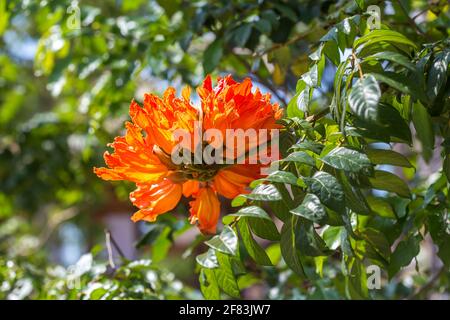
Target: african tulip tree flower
[144, 155]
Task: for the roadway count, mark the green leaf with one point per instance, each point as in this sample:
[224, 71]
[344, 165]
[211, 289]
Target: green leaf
[225, 276]
[309, 242]
[212, 55]
[395, 57]
[378, 242]
[356, 280]
[240, 35]
[226, 242]
[332, 237]
[208, 284]
[384, 180]
[390, 124]
[328, 189]
[347, 159]
[303, 98]
[281, 177]
[208, 259]
[288, 246]
[364, 98]
[253, 248]
[300, 157]
[311, 209]
[265, 192]
[354, 198]
[161, 245]
[380, 207]
[264, 229]
[313, 76]
[400, 83]
[299, 103]
[437, 75]
[152, 234]
[438, 226]
[247, 280]
[383, 35]
[405, 251]
[308, 145]
[424, 129]
[263, 25]
[251, 211]
[382, 156]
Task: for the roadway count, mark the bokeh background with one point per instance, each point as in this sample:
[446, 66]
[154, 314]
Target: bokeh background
[68, 71]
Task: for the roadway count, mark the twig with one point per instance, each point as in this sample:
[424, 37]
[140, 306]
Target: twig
[110, 240]
[410, 21]
[426, 287]
[285, 44]
[419, 14]
[109, 249]
[262, 80]
[358, 65]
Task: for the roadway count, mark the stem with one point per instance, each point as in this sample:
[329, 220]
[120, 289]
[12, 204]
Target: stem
[410, 21]
[358, 65]
[428, 286]
[110, 240]
[262, 80]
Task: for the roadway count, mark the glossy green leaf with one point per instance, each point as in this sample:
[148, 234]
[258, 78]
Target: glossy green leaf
[383, 156]
[208, 259]
[327, 189]
[282, 177]
[394, 57]
[308, 145]
[387, 181]
[347, 159]
[383, 35]
[332, 237]
[226, 241]
[309, 242]
[403, 254]
[364, 97]
[437, 75]
[401, 83]
[251, 211]
[264, 192]
[288, 245]
[300, 157]
[381, 207]
[253, 248]
[424, 129]
[208, 284]
[356, 280]
[264, 229]
[213, 55]
[311, 209]
[225, 277]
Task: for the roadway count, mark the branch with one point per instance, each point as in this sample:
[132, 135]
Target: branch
[355, 60]
[262, 80]
[110, 240]
[410, 21]
[428, 286]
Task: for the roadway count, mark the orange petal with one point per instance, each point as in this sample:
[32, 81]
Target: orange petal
[205, 210]
[232, 181]
[107, 174]
[190, 187]
[155, 199]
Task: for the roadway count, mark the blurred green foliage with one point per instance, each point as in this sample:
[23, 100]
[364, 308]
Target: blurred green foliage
[68, 71]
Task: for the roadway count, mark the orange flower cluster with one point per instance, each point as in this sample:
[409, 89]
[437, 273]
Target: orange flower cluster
[143, 155]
